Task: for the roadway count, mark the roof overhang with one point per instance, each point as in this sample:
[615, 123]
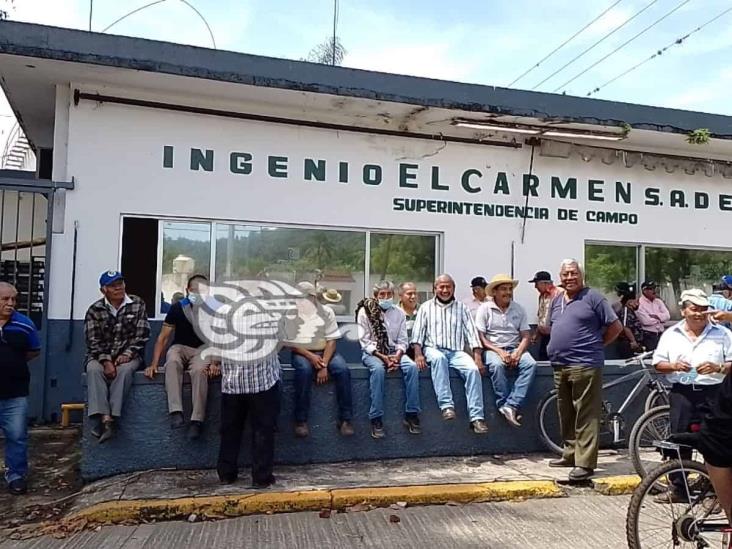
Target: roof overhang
[34, 59]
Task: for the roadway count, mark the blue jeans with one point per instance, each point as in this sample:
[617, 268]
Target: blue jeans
[377, 373]
[14, 425]
[440, 361]
[337, 370]
[512, 396]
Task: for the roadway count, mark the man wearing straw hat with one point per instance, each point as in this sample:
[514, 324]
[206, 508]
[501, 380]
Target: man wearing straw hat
[504, 330]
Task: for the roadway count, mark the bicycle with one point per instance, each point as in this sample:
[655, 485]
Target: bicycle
[695, 520]
[611, 423]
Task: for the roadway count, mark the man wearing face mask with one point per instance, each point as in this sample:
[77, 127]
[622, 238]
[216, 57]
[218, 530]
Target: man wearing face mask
[383, 336]
[184, 354]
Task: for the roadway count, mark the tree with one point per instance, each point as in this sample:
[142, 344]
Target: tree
[329, 52]
[5, 6]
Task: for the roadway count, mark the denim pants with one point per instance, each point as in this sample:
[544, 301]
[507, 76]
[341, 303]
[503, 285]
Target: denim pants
[14, 425]
[337, 370]
[377, 374]
[440, 361]
[505, 394]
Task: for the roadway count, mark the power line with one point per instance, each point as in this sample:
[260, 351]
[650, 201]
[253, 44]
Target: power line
[567, 41]
[621, 46]
[677, 42]
[335, 26]
[608, 35]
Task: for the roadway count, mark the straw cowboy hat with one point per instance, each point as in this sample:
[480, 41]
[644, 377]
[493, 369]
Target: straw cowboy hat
[498, 280]
[331, 295]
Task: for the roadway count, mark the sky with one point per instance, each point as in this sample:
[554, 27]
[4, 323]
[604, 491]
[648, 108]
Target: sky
[479, 41]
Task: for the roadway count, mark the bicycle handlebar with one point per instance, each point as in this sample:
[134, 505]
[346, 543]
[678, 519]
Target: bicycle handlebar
[639, 359]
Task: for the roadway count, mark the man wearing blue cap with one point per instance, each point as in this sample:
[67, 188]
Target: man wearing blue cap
[721, 298]
[116, 330]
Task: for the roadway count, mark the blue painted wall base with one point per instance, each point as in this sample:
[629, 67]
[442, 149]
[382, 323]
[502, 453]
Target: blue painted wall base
[146, 441]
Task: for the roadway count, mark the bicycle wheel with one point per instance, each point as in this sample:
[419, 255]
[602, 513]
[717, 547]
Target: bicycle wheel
[655, 399]
[681, 521]
[654, 425]
[548, 423]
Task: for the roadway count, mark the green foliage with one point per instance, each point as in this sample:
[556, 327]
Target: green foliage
[329, 52]
[402, 257]
[700, 136]
[626, 129]
[605, 266]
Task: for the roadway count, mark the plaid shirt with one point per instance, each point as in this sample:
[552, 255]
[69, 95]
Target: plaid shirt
[108, 336]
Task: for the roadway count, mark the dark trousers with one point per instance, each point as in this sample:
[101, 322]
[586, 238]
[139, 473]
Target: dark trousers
[337, 370]
[543, 343]
[262, 409]
[689, 405]
[650, 340]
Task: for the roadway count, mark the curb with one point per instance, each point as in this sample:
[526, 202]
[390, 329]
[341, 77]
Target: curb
[116, 512]
[616, 486]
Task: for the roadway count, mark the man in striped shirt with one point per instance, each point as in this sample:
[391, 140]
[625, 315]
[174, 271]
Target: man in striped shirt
[442, 330]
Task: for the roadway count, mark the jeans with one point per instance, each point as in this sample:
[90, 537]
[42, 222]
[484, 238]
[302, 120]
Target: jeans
[14, 425]
[261, 408]
[440, 360]
[377, 373]
[338, 370]
[515, 396]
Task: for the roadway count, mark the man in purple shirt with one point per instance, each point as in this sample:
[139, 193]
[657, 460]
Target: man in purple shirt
[582, 323]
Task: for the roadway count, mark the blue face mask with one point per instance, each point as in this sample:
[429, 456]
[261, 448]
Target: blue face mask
[194, 298]
[386, 304]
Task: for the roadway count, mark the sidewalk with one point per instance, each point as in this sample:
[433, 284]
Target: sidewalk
[160, 495]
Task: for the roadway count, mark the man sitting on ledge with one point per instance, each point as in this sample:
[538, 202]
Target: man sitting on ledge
[116, 330]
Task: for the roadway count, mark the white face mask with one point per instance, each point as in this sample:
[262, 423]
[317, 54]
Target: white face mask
[194, 298]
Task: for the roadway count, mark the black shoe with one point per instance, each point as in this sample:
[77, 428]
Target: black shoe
[479, 427]
[107, 432]
[176, 420]
[97, 428]
[227, 479]
[264, 484]
[561, 462]
[377, 428]
[194, 430]
[18, 486]
[411, 421]
[579, 474]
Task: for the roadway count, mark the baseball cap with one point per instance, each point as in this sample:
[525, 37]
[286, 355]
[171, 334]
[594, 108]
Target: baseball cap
[108, 277]
[649, 284]
[695, 296]
[727, 281]
[478, 282]
[541, 276]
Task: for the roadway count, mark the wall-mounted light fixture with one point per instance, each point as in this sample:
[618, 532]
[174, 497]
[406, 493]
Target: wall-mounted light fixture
[537, 130]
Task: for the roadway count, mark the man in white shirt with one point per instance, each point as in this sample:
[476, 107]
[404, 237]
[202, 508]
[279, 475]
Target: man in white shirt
[382, 332]
[477, 286]
[503, 328]
[694, 354]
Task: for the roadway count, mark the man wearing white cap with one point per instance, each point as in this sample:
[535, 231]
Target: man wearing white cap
[503, 327]
[694, 354]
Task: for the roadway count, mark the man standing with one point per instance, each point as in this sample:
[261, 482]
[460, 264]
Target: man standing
[477, 286]
[582, 323]
[408, 304]
[652, 315]
[317, 355]
[721, 298]
[544, 284]
[116, 330]
[19, 345]
[629, 340]
[382, 332]
[443, 328]
[184, 354]
[504, 330]
[695, 354]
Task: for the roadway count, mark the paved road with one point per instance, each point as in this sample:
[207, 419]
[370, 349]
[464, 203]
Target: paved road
[577, 522]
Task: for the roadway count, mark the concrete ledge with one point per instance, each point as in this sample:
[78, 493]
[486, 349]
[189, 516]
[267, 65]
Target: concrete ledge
[251, 503]
[616, 486]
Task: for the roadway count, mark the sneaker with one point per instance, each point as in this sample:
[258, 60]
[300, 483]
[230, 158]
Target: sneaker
[107, 432]
[301, 429]
[194, 430]
[579, 474]
[509, 412]
[479, 427]
[176, 420]
[561, 462]
[671, 496]
[18, 486]
[448, 414]
[377, 428]
[411, 421]
[345, 428]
